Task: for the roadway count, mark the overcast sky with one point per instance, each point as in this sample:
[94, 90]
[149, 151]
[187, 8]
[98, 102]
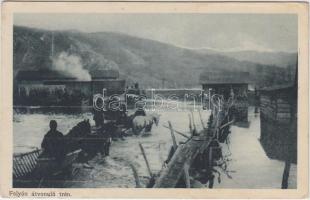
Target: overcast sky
[227, 32]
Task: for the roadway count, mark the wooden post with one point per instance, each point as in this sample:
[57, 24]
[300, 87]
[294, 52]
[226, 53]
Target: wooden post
[287, 167]
[135, 174]
[201, 120]
[286, 174]
[145, 159]
[190, 124]
[178, 132]
[227, 124]
[195, 129]
[175, 145]
[186, 175]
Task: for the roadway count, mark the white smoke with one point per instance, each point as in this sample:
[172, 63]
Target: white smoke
[72, 65]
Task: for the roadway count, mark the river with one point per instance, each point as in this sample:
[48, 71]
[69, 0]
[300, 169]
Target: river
[251, 167]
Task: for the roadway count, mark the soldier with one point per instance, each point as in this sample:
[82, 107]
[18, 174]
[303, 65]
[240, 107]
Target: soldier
[53, 142]
[98, 118]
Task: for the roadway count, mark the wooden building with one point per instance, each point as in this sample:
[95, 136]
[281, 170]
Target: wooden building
[278, 115]
[107, 79]
[227, 84]
[51, 82]
[27, 80]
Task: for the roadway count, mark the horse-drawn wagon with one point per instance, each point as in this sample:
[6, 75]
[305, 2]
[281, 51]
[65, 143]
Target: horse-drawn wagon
[30, 169]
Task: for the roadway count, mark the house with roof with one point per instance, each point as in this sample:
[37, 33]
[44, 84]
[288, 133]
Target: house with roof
[50, 81]
[278, 116]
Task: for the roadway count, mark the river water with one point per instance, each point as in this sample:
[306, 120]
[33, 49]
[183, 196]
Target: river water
[249, 163]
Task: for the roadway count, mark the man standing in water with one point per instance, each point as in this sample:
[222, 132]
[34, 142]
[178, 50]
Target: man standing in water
[98, 118]
[53, 142]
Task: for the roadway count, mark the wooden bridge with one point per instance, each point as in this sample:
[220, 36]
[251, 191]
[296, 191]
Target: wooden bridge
[196, 144]
[181, 161]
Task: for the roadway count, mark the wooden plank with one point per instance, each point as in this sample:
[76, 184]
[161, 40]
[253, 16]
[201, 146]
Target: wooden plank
[190, 124]
[284, 110]
[201, 120]
[284, 115]
[22, 167]
[186, 175]
[145, 159]
[33, 159]
[18, 166]
[16, 170]
[136, 176]
[282, 101]
[195, 128]
[175, 145]
[284, 106]
[227, 124]
[178, 132]
[25, 163]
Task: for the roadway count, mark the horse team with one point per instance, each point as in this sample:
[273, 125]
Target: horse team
[96, 139]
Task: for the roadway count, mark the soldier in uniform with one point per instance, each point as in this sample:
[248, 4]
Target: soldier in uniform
[53, 142]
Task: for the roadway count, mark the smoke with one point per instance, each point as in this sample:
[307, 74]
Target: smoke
[72, 65]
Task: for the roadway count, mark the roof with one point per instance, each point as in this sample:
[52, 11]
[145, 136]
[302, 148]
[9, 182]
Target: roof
[217, 77]
[278, 87]
[43, 75]
[104, 74]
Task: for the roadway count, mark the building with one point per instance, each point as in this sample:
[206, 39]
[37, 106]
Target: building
[27, 80]
[227, 84]
[109, 80]
[46, 82]
[278, 115]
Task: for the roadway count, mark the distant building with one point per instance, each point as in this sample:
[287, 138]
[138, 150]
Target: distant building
[104, 74]
[27, 80]
[228, 84]
[51, 80]
[108, 79]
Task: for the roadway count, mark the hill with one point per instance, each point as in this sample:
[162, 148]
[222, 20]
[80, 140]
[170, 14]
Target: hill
[280, 59]
[149, 62]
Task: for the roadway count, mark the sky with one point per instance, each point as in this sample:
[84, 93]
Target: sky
[223, 32]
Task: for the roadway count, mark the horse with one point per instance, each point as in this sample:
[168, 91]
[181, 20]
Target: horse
[76, 135]
[145, 123]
